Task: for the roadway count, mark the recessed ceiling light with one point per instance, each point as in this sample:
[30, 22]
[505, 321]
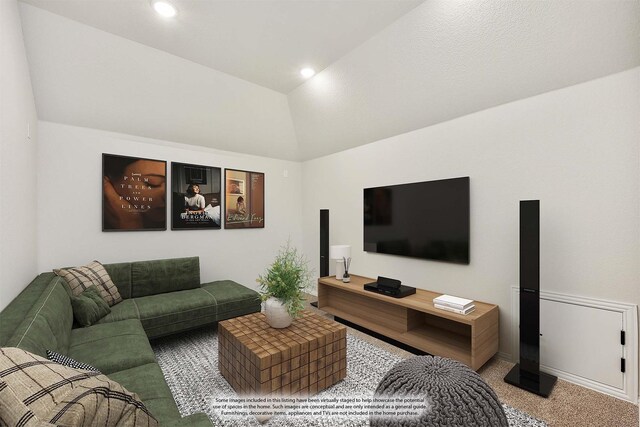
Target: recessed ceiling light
[165, 8]
[307, 72]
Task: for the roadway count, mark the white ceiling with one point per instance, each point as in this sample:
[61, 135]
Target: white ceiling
[266, 42]
[440, 60]
[446, 59]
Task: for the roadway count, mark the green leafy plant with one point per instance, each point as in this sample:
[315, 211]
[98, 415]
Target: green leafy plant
[287, 279]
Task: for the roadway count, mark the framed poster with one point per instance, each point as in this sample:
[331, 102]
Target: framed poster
[134, 193]
[244, 199]
[195, 197]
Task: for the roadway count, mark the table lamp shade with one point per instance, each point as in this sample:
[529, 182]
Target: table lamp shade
[340, 251]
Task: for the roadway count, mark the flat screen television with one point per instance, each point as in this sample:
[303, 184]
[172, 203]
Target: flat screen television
[428, 220]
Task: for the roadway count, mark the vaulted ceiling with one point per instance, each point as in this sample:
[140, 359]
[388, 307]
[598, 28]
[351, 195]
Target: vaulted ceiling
[264, 42]
[225, 74]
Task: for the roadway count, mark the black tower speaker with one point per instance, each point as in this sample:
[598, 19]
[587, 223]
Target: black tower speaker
[526, 374]
[324, 242]
[324, 246]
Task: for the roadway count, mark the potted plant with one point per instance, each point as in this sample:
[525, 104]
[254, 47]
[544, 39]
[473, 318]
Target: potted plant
[283, 286]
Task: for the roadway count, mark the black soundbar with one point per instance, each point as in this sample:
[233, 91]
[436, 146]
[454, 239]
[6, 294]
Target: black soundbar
[389, 287]
[388, 283]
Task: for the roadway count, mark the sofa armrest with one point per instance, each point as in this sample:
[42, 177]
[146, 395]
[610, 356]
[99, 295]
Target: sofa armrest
[194, 420]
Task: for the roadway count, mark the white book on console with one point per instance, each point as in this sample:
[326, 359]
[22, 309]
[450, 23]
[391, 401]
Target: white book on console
[451, 301]
[455, 310]
[456, 306]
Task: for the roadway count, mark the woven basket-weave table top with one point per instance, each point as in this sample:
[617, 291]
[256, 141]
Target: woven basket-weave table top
[304, 358]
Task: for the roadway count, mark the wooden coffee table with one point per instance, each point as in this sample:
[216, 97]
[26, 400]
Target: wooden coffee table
[303, 359]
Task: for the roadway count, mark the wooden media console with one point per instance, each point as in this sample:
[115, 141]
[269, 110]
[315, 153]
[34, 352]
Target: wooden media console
[472, 339]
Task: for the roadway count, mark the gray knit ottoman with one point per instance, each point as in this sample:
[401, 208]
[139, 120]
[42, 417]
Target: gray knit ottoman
[455, 394]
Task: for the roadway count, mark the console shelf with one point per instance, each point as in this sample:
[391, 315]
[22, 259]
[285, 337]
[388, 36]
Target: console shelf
[413, 320]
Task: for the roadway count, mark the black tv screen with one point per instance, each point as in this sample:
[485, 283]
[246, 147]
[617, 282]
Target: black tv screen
[428, 220]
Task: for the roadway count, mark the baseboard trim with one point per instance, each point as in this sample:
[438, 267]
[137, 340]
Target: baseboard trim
[585, 382]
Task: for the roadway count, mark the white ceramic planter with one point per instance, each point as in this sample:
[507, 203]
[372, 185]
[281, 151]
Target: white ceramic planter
[276, 312]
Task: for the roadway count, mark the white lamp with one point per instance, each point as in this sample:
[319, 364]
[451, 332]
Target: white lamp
[340, 253]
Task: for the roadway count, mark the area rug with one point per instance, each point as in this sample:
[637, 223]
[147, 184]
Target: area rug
[190, 365]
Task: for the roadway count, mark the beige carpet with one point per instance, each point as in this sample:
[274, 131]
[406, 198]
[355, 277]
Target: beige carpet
[569, 405]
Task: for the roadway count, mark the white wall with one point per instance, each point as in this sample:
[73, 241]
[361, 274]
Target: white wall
[18, 205]
[575, 149]
[69, 166]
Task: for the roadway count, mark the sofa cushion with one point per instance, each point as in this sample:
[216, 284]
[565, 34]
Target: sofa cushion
[125, 310]
[181, 326]
[89, 306]
[47, 324]
[120, 274]
[112, 347]
[39, 392]
[232, 297]
[147, 381]
[92, 274]
[164, 275]
[164, 310]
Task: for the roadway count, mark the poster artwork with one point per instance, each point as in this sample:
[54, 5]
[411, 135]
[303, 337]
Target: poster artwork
[196, 197]
[133, 193]
[244, 200]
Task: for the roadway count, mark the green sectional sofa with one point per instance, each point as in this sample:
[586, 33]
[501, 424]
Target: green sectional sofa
[160, 297]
